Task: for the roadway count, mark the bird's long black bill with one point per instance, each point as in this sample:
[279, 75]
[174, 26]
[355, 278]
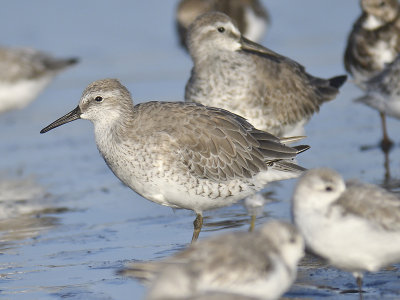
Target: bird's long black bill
[249, 46]
[69, 117]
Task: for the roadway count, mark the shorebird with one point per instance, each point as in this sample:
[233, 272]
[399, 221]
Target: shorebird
[251, 16]
[181, 155]
[355, 226]
[24, 73]
[261, 264]
[273, 92]
[373, 43]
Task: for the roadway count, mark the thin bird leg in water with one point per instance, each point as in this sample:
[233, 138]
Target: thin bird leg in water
[359, 284]
[386, 143]
[198, 223]
[252, 223]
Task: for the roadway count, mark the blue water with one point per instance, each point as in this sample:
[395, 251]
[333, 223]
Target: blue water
[71, 224]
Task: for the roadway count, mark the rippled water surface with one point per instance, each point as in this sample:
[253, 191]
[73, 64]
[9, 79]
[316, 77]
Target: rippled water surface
[67, 224]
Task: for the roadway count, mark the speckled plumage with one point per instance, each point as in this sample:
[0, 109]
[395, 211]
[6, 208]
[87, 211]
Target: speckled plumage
[181, 155]
[374, 40]
[259, 264]
[355, 226]
[273, 92]
[250, 16]
[24, 73]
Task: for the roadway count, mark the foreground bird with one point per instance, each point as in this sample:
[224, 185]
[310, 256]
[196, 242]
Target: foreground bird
[273, 92]
[179, 154]
[355, 226]
[24, 73]
[383, 93]
[260, 264]
[250, 15]
[373, 43]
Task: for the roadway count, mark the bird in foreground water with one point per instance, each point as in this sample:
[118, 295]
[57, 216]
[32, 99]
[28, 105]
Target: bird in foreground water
[181, 155]
[250, 15]
[355, 226]
[373, 43]
[273, 92]
[261, 264]
[24, 73]
[383, 93]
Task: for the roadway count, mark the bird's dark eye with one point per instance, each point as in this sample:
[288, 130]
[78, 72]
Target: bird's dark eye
[98, 99]
[221, 29]
[383, 3]
[328, 189]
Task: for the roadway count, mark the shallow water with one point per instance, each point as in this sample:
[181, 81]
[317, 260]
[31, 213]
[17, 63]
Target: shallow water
[67, 224]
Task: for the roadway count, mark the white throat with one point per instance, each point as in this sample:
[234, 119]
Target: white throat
[372, 23]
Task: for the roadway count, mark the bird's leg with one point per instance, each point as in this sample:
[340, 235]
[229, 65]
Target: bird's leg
[252, 223]
[386, 143]
[197, 224]
[359, 278]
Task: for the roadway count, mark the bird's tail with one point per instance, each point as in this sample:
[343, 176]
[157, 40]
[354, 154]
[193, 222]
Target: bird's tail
[329, 88]
[59, 64]
[337, 81]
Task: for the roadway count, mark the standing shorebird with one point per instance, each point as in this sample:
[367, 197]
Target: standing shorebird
[373, 43]
[250, 16]
[260, 264]
[383, 92]
[24, 73]
[273, 92]
[355, 226]
[181, 155]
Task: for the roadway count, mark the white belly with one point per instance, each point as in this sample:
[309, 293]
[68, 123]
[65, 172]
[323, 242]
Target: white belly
[383, 54]
[19, 94]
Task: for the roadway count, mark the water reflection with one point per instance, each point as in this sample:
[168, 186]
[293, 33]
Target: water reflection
[25, 210]
[235, 217]
[386, 165]
[388, 181]
[22, 228]
[19, 195]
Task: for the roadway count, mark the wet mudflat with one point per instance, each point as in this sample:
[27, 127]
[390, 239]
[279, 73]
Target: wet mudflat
[67, 223]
